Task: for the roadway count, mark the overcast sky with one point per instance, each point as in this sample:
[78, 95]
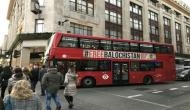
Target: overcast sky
[4, 22]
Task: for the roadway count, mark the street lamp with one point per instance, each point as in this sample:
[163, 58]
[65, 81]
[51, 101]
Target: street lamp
[61, 23]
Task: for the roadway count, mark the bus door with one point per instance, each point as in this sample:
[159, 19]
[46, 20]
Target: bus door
[120, 72]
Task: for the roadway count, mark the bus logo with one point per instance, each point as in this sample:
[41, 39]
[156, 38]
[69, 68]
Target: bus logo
[105, 76]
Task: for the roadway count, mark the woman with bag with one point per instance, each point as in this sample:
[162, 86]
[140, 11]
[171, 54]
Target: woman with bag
[70, 85]
[22, 98]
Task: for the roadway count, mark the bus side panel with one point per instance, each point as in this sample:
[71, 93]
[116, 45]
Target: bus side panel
[172, 71]
[67, 53]
[164, 73]
[138, 76]
[167, 71]
[101, 78]
[135, 77]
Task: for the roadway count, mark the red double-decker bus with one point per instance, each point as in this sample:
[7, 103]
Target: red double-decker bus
[106, 61]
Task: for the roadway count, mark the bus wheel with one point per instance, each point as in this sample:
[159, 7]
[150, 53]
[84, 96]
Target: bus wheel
[147, 80]
[88, 82]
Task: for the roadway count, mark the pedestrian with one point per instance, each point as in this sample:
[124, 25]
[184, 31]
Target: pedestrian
[70, 85]
[22, 97]
[62, 68]
[42, 71]
[1, 68]
[1, 104]
[27, 73]
[17, 75]
[5, 75]
[34, 76]
[51, 82]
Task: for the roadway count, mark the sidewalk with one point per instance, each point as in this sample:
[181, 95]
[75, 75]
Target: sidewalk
[79, 104]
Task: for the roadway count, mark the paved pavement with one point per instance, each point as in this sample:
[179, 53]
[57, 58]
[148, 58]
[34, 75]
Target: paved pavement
[78, 103]
[171, 96]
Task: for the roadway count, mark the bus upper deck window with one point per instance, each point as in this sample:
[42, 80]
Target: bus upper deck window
[121, 46]
[146, 48]
[105, 45]
[89, 43]
[134, 47]
[68, 42]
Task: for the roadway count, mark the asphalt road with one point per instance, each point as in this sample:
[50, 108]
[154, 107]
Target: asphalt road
[166, 96]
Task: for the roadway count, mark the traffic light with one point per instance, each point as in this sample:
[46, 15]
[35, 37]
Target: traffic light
[16, 53]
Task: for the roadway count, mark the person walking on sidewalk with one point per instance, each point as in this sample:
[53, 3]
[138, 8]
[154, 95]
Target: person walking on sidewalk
[70, 85]
[34, 76]
[4, 77]
[17, 75]
[42, 71]
[51, 82]
[22, 98]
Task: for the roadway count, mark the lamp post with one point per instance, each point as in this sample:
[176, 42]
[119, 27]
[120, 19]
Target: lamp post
[61, 23]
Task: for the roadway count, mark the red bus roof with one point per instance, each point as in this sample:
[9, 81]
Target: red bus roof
[106, 38]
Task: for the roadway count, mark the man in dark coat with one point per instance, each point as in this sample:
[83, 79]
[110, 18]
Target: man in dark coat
[4, 77]
[1, 104]
[42, 71]
[34, 76]
[51, 82]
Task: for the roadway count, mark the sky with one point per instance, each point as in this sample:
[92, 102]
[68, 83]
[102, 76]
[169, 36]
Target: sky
[4, 22]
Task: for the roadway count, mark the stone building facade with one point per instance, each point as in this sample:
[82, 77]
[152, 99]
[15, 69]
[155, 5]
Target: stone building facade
[165, 21]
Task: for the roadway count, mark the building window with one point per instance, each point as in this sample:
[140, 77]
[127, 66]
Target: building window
[114, 2]
[82, 6]
[113, 17]
[178, 49]
[153, 24]
[39, 25]
[136, 22]
[177, 14]
[178, 37]
[186, 19]
[152, 2]
[188, 50]
[188, 34]
[80, 29]
[166, 8]
[41, 2]
[167, 30]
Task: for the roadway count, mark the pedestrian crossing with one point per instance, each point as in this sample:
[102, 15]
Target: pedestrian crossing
[169, 89]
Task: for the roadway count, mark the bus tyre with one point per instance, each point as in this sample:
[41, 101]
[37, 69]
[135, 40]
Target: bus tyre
[147, 80]
[88, 82]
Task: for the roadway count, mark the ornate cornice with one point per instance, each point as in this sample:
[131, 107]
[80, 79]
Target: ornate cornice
[29, 36]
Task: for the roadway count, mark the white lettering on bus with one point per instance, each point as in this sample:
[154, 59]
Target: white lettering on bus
[118, 55]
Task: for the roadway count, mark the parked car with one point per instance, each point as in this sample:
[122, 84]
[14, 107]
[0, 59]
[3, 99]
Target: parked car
[183, 75]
